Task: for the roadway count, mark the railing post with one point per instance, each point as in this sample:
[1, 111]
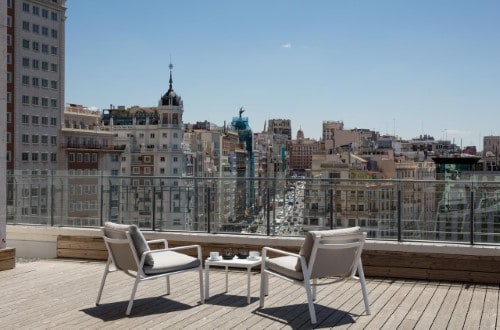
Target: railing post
[101, 220]
[154, 208]
[52, 201]
[471, 222]
[331, 208]
[208, 211]
[399, 215]
[268, 214]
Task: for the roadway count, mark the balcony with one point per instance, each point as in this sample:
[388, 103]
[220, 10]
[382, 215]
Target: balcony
[61, 294]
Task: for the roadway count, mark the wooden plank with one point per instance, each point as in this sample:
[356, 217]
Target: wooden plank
[444, 314]
[7, 264]
[427, 318]
[432, 274]
[490, 309]
[7, 253]
[459, 314]
[405, 306]
[473, 319]
[82, 254]
[438, 261]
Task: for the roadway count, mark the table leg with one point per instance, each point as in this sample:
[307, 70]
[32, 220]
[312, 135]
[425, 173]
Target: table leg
[248, 283]
[207, 284]
[227, 268]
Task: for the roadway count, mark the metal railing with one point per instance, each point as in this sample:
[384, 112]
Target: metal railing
[465, 212]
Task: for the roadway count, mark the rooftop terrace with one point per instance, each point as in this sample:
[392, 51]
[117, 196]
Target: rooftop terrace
[59, 293]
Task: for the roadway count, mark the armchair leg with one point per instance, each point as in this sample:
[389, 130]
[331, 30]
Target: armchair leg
[202, 296]
[132, 296]
[361, 276]
[310, 302]
[168, 285]
[106, 271]
[263, 288]
[314, 288]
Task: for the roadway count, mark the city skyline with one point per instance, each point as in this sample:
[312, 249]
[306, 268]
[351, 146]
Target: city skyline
[398, 68]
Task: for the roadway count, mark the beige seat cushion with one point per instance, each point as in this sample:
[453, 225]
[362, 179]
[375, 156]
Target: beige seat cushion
[170, 261]
[115, 230]
[286, 266]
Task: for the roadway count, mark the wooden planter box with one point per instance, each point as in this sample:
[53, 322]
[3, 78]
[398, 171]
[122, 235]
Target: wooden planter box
[7, 258]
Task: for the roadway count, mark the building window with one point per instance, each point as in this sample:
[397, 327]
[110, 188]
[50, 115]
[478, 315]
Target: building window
[35, 81]
[9, 97]
[36, 10]
[45, 66]
[26, 7]
[147, 170]
[25, 138]
[45, 13]
[34, 120]
[9, 40]
[26, 99]
[34, 139]
[147, 159]
[53, 50]
[26, 44]
[26, 80]
[176, 159]
[45, 48]
[45, 120]
[25, 156]
[94, 158]
[53, 103]
[45, 103]
[35, 64]
[53, 121]
[79, 157]
[45, 139]
[136, 170]
[53, 84]
[162, 159]
[25, 118]
[34, 156]
[53, 157]
[9, 3]
[53, 140]
[34, 100]
[53, 33]
[9, 58]
[53, 16]
[45, 31]
[26, 62]
[35, 46]
[26, 26]
[53, 67]
[45, 156]
[35, 28]
[45, 83]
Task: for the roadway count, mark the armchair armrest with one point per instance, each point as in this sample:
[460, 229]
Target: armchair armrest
[160, 240]
[186, 247]
[278, 251]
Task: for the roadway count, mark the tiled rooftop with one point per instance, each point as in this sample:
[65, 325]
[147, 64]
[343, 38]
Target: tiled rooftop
[60, 294]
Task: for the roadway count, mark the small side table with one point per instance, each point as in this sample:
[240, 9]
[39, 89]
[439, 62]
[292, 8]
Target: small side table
[235, 262]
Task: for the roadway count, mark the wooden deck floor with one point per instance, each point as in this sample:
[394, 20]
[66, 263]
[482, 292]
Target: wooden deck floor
[60, 294]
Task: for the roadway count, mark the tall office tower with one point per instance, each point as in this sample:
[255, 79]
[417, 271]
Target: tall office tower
[35, 83]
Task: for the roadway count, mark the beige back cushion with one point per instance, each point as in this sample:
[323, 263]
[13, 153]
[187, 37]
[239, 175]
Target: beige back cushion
[114, 230]
[330, 262]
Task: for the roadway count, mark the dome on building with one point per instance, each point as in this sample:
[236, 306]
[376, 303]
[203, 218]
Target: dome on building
[170, 97]
[300, 134]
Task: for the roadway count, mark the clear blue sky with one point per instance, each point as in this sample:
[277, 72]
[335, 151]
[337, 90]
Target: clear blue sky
[403, 67]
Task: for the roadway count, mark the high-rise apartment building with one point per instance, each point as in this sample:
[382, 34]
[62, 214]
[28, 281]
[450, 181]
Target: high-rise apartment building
[35, 83]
